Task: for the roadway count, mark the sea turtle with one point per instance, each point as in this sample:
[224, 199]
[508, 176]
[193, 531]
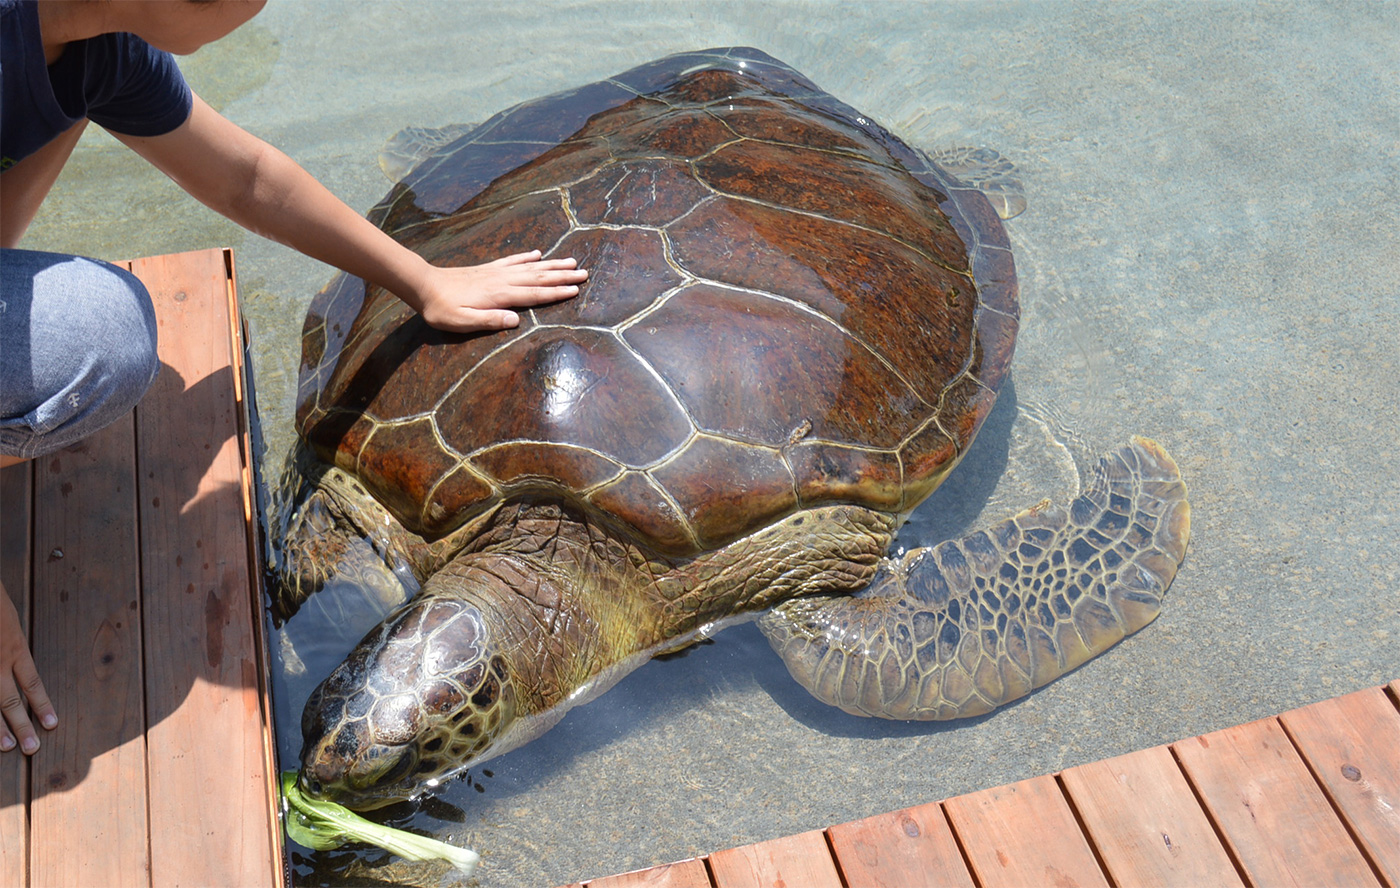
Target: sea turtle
[793, 328]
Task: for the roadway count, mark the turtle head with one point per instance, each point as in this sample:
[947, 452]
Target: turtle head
[420, 697]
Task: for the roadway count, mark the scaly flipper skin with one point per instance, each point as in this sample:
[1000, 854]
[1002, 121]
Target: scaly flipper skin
[966, 626]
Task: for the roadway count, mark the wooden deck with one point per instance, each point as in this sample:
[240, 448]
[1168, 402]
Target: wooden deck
[1307, 798]
[129, 556]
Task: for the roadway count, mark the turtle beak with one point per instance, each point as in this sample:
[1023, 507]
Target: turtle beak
[377, 780]
[310, 786]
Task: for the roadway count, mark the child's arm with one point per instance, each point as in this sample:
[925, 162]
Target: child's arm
[260, 188]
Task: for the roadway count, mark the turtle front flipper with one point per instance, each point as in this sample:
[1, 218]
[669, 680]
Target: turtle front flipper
[963, 627]
[336, 531]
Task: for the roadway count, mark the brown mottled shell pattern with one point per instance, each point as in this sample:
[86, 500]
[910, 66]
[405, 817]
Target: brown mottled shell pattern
[787, 306]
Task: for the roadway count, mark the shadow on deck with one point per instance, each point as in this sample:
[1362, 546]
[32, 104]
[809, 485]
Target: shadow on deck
[131, 557]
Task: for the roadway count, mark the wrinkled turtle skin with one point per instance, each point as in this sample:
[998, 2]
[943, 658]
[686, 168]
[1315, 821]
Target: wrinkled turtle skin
[793, 327]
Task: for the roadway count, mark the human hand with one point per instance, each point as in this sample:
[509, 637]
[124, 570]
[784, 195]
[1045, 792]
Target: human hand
[474, 298]
[20, 687]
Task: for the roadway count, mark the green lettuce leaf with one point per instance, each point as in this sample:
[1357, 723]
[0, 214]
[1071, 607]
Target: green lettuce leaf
[322, 825]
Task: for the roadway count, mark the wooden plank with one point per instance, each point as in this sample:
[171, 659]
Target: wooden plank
[88, 815]
[912, 848]
[1275, 820]
[803, 859]
[681, 874]
[1145, 822]
[1023, 834]
[16, 501]
[1352, 746]
[208, 772]
[243, 393]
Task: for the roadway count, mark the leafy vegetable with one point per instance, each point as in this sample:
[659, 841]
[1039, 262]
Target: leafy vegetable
[324, 825]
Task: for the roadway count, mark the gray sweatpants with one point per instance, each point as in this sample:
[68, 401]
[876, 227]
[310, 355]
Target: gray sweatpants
[77, 348]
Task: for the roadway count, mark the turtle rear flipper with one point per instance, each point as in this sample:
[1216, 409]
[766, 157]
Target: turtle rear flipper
[988, 172]
[412, 145]
[963, 627]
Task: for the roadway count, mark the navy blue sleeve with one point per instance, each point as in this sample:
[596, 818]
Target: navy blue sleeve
[139, 90]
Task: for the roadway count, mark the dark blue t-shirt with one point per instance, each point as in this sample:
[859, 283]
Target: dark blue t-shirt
[117, 81]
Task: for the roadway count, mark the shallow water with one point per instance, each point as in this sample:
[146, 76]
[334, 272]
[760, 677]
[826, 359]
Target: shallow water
[1208, 258]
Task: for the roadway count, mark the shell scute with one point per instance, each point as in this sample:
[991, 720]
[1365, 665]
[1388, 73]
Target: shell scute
[452, 501]
[707, 86]
[627, 272]
[570, 162]
[646, 191]
[686, 134]
[825, 376]
[965, 404]
[458, 173]
[995, 340]
[928, 457]
[837, 187]
[446, 185]
[636, 501]
[757, 74]
[757, 486]
[404, 464]
[562, 466]
[552, 119]
[566, 386]
[484, 234]
[996, 282]
[775, 120]
[833, 473]
[652, 76]
[858, 279]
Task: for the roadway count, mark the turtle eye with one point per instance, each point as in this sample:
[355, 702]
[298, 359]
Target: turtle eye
[387, 767]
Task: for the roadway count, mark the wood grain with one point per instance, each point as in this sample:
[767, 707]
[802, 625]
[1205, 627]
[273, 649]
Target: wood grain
[198, 610]
[681, 874]
[1023, 834]
[1145, 822]
[1352, 746]
[88, 814]
[1275, 820]
[803, 859]
[1242, 806]
[912, 848]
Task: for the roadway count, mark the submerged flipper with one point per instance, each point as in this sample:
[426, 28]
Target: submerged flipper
[965, 626]
[988, 172]
[412, 145]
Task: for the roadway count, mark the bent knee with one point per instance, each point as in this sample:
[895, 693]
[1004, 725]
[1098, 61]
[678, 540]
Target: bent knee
[114, 311]
[90, 355]
[114, 330]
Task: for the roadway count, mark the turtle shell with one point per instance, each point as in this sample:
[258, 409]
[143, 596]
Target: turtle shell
[787, 306]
